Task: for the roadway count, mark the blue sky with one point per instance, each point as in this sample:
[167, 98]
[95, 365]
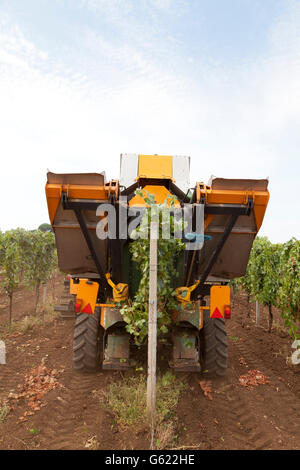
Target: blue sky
[82, 81]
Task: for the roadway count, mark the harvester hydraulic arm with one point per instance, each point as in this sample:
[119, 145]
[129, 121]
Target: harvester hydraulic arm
[77, 207]
[234, 210]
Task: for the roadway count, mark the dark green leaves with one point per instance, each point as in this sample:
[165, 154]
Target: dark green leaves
[273, 277]
[135, 314]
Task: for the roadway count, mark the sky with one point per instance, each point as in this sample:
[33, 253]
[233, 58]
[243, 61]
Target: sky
[82, 81]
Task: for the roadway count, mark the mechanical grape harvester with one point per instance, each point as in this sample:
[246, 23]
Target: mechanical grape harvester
[102, 272]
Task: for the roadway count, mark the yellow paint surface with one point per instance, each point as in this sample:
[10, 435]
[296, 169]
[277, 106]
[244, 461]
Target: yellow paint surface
[155, 166]
[160, 193]
[87, 292]
[219, 298]
[73, 287]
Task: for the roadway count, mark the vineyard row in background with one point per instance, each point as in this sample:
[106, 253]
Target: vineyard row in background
[273, 279]
[27, 257]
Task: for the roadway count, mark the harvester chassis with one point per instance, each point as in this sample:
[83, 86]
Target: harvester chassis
[232, 212]
[210, 354]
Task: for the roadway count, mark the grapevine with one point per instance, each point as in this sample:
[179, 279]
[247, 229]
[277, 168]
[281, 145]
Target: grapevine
[26, 256]
[135, 312]
[273, 279]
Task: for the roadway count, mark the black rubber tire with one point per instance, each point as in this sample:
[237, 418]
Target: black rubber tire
[87, 342]
[213, 347]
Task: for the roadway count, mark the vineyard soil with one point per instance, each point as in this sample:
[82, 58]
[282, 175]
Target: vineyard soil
[24, 299]
[72, 417]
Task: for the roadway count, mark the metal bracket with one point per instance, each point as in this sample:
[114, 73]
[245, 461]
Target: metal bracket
[234, 210]
[77, 207]
[185, 352]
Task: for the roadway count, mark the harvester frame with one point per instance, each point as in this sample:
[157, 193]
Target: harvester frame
[231, 208]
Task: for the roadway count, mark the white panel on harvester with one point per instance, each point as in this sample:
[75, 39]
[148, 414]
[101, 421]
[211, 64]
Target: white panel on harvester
[128, 168]
[181, 172]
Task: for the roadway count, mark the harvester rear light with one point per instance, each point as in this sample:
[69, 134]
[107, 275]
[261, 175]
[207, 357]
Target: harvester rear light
[216, 313]
[77, 307]
[227, 312]
[87, 309]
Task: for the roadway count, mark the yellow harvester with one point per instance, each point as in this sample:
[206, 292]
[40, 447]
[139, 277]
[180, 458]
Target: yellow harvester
[225, 216]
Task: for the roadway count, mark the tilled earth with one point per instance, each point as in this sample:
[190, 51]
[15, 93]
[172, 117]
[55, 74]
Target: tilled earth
[232, 416]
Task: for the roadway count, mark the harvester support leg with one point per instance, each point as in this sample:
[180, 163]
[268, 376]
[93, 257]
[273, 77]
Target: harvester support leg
[116, 352]
[186, 350]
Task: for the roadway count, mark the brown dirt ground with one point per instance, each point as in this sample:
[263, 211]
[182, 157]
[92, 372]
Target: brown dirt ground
[265, 417]
[24, 299]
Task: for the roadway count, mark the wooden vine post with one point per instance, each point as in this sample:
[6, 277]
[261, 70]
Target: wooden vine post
[152, 327]
[257, 309]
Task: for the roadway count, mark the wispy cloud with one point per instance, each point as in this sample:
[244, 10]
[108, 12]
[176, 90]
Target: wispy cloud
[16, 50]
[130, 89]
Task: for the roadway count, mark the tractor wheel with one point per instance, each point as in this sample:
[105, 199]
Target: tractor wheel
[87, 342]
[213, 347]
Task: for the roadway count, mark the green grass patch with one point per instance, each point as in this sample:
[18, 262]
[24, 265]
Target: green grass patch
[4, 410]
[28, 323]
[34, 431]
[234, 338]
[126, 400]
[34, 321]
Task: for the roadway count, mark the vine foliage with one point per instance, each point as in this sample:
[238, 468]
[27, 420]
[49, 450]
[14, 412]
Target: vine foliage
[26, 256]
[135, 312]
[273, 279]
